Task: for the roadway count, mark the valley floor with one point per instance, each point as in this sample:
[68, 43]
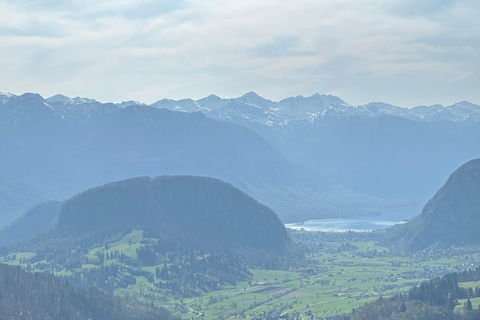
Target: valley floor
[342, 271]
[345, 271]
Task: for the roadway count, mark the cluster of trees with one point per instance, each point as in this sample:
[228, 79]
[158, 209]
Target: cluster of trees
[432, 300]
[469, 275]
[107, 278]
[184, 267]
[42, 296]
[190, 269]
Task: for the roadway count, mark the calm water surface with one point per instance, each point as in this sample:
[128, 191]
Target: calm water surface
[386, 220]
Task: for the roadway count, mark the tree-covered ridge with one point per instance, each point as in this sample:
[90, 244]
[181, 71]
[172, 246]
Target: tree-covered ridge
[206, 208]
[452, 216]
[25, 295]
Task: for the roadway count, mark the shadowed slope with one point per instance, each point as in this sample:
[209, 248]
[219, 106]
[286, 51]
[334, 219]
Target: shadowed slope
[452, 216]
[204, 207]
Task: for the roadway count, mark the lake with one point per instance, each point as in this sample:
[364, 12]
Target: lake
[386, 220]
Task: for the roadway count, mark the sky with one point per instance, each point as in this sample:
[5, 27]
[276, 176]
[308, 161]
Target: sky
[403, 52]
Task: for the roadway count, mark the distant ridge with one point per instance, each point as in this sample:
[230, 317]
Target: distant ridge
[37, 219]
[297, 108]
[452, 216]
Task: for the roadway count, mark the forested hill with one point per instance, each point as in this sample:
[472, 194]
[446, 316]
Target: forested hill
[452, 216]
[29, 296]
[207, 208]
[184, 235]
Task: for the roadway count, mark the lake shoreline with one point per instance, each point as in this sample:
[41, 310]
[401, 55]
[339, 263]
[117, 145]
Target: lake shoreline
[343, 225]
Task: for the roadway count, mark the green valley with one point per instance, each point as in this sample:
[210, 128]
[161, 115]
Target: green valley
[340, 271]
[203, 249]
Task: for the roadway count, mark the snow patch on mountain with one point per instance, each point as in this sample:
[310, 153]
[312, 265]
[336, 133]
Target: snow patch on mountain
[5, 96]
[78, 109]
[253, 108]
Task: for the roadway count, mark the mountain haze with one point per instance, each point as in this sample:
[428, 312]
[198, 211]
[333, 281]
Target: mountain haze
[16, 197]
[61, 146]
[377, 148]
[302, 156]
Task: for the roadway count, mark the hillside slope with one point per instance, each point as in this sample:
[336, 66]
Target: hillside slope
[452, 216]
[32, 296]
[37, 219]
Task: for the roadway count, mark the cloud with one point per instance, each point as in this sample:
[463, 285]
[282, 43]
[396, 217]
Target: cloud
[142, 49]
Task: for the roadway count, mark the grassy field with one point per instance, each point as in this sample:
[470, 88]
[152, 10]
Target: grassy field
[471, 284]
[461, 304]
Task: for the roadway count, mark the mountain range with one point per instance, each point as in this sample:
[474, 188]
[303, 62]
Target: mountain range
[306, 157]
[376, 149]
[255, 108]
[57, 147]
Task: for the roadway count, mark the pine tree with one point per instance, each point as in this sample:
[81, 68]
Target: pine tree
[469, 305]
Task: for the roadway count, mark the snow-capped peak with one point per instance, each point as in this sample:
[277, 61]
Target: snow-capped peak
[59, 98]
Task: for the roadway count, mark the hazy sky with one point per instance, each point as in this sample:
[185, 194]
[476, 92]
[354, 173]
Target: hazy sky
[402, 52]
